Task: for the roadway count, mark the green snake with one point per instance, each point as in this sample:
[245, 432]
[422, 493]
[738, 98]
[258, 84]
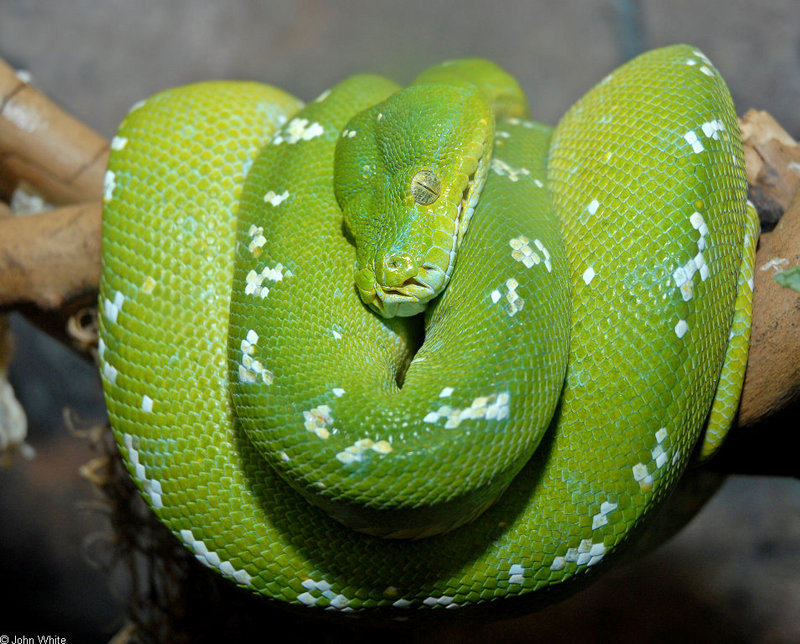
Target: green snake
[404, 347]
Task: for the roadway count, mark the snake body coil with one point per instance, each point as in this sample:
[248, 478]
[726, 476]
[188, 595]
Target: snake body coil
[259, 380]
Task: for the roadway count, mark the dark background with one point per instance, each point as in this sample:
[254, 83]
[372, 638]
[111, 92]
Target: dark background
[732, 575]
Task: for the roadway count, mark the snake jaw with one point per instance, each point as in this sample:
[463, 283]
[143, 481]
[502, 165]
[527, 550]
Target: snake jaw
[399, 298]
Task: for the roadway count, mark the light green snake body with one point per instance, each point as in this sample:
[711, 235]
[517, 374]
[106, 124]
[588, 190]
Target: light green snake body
[530, 420]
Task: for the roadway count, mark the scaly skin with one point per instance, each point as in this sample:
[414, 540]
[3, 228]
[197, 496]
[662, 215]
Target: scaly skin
[251, 391]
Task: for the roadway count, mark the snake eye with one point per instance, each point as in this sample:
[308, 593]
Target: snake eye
[425, 187]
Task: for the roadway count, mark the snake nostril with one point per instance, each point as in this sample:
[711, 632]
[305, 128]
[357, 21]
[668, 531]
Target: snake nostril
[396, 268]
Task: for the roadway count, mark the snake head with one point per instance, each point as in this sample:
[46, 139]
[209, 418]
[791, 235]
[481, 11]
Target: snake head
[408, 173]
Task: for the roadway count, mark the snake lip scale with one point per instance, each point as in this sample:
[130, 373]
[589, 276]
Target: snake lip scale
[584, 293]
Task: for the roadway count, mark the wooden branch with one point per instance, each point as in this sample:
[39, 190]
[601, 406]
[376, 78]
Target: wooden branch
[49, 263]
[772, 160]
[43, 145]
[48, 259]
[773, 369]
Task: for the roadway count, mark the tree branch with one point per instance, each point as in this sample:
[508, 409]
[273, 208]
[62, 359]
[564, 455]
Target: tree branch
[46, 147]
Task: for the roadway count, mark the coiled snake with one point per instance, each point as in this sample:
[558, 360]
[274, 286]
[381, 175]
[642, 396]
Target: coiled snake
[351, 363]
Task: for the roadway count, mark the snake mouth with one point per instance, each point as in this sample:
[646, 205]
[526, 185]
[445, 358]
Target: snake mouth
[400, 298]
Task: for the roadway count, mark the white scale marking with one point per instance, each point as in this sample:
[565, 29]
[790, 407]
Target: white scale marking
[659, 452]
[307, 598]
[298, 129]
[356, 451]
[660, 456]
[691, 139]
[250, 369]
[642, 476]
[523, 122]
[112, 308]
[516, 574]
[340, 602]
[712, 128]
[254, 282]
[257, 239]
[150, 486]
[110, 373]
[683, 275]
[586, 554]
[318, 420]
[503, 169]
[212, 559]
[109, 183]
[275, 199]
[444, 600]
[601, 518]
[147, 404]
[515, 302]
[522, 252]
[491, 407]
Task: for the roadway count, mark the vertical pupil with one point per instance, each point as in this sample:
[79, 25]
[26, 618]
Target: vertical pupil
[425, 187]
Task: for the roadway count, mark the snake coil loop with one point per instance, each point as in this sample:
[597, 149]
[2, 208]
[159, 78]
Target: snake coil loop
[584, 291]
